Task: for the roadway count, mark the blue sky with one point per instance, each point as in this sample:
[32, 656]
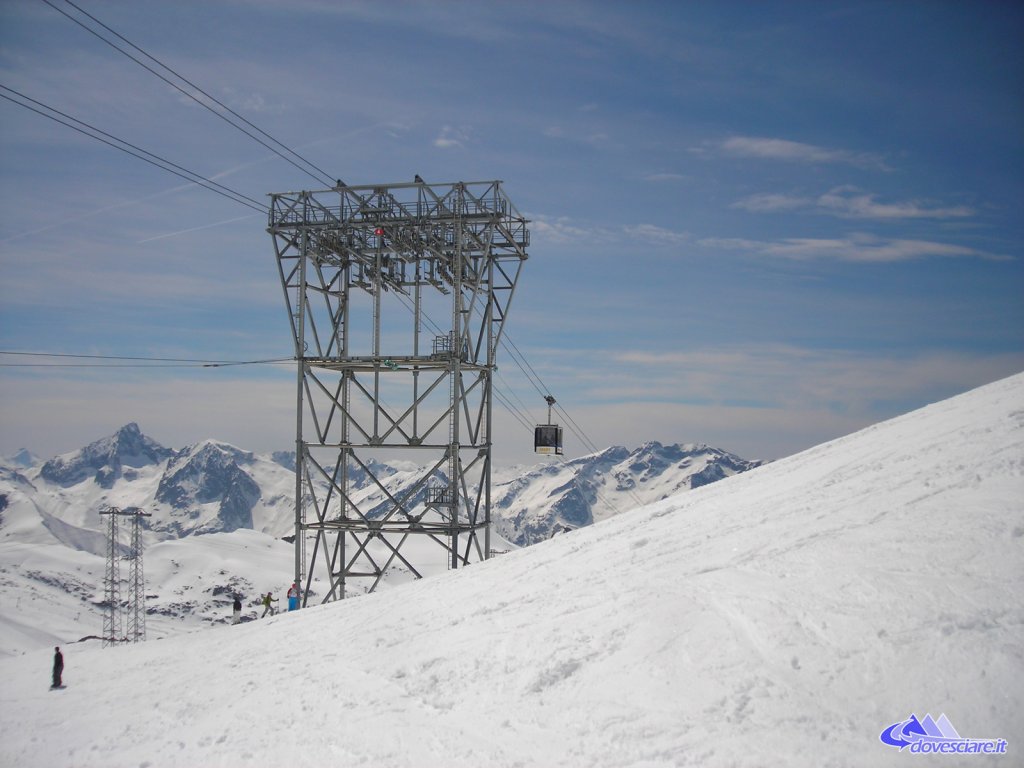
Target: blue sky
[756, 225]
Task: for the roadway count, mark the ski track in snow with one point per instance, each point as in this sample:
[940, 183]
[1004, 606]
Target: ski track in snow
[783, 616]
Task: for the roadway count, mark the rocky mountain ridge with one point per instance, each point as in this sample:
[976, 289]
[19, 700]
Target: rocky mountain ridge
[106, 460]
[563, 496]
[214, 487]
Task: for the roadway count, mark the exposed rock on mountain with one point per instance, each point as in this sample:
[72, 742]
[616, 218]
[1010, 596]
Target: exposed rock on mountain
[568, 495]
[106, 460]
[208, 474]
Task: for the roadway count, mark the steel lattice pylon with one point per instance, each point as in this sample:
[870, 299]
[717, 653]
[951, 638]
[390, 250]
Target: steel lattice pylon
[112, 581]
[135, 607]
[397, 296]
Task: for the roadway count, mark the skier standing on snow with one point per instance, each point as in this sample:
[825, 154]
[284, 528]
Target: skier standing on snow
[237, 612]
[293, 597]
[267, 607]
[58, 666]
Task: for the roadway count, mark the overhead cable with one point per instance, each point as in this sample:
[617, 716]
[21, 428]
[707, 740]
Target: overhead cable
[125, 361]
[517, 357]
[131, 149]
[323, 177]
[523, 419]
[511, 408]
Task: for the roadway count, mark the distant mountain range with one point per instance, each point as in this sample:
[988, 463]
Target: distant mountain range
[202, 498]
[563, 496]
[213, 487]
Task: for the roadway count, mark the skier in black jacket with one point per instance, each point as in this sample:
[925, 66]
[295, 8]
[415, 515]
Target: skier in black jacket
[58, 666]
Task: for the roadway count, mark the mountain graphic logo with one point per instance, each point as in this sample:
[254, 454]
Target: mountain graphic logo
[904, 734]
[927, 735]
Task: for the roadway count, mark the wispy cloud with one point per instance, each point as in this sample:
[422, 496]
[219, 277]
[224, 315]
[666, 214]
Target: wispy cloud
[452, 136]
[789, 151]
[779, 375]
[562, 230]
[867, 248]
[856, 247]
[852, 203]
[197, 229]
[772, 203]
[658, 235]
[251, 101]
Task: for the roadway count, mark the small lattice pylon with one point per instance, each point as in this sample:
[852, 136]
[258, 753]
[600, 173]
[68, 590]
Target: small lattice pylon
[135, 607]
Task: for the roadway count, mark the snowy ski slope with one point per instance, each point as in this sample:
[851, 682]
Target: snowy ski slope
[784, 616]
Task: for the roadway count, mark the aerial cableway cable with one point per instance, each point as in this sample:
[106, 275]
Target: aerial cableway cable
[127, 147]
[534, 378]
[180, 171]
[512, 409]
[126, 361]
[517, 356]
[522, 408]
[320, 176]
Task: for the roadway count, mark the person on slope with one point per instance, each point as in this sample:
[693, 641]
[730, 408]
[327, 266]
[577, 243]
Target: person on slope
[293, 596]
[58, 667]
[236, 614]
[267, 607]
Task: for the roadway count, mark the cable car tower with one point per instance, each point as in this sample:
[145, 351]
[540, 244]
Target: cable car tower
[397, 296]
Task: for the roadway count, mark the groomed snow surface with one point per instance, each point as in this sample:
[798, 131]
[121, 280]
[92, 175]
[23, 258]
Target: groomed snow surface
[784, 616]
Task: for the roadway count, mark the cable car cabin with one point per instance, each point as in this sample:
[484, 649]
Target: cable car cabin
[547, 439]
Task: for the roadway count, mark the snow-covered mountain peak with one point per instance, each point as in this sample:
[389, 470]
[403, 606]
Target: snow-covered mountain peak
[208, 473]
[210, 450]
[107, 459]
[563, 496]
[23, 458]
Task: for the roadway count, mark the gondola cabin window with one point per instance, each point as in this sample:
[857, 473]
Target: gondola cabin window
[547, 439]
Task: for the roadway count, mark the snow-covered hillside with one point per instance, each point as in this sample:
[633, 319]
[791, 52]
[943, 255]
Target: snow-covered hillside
[785, 616]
